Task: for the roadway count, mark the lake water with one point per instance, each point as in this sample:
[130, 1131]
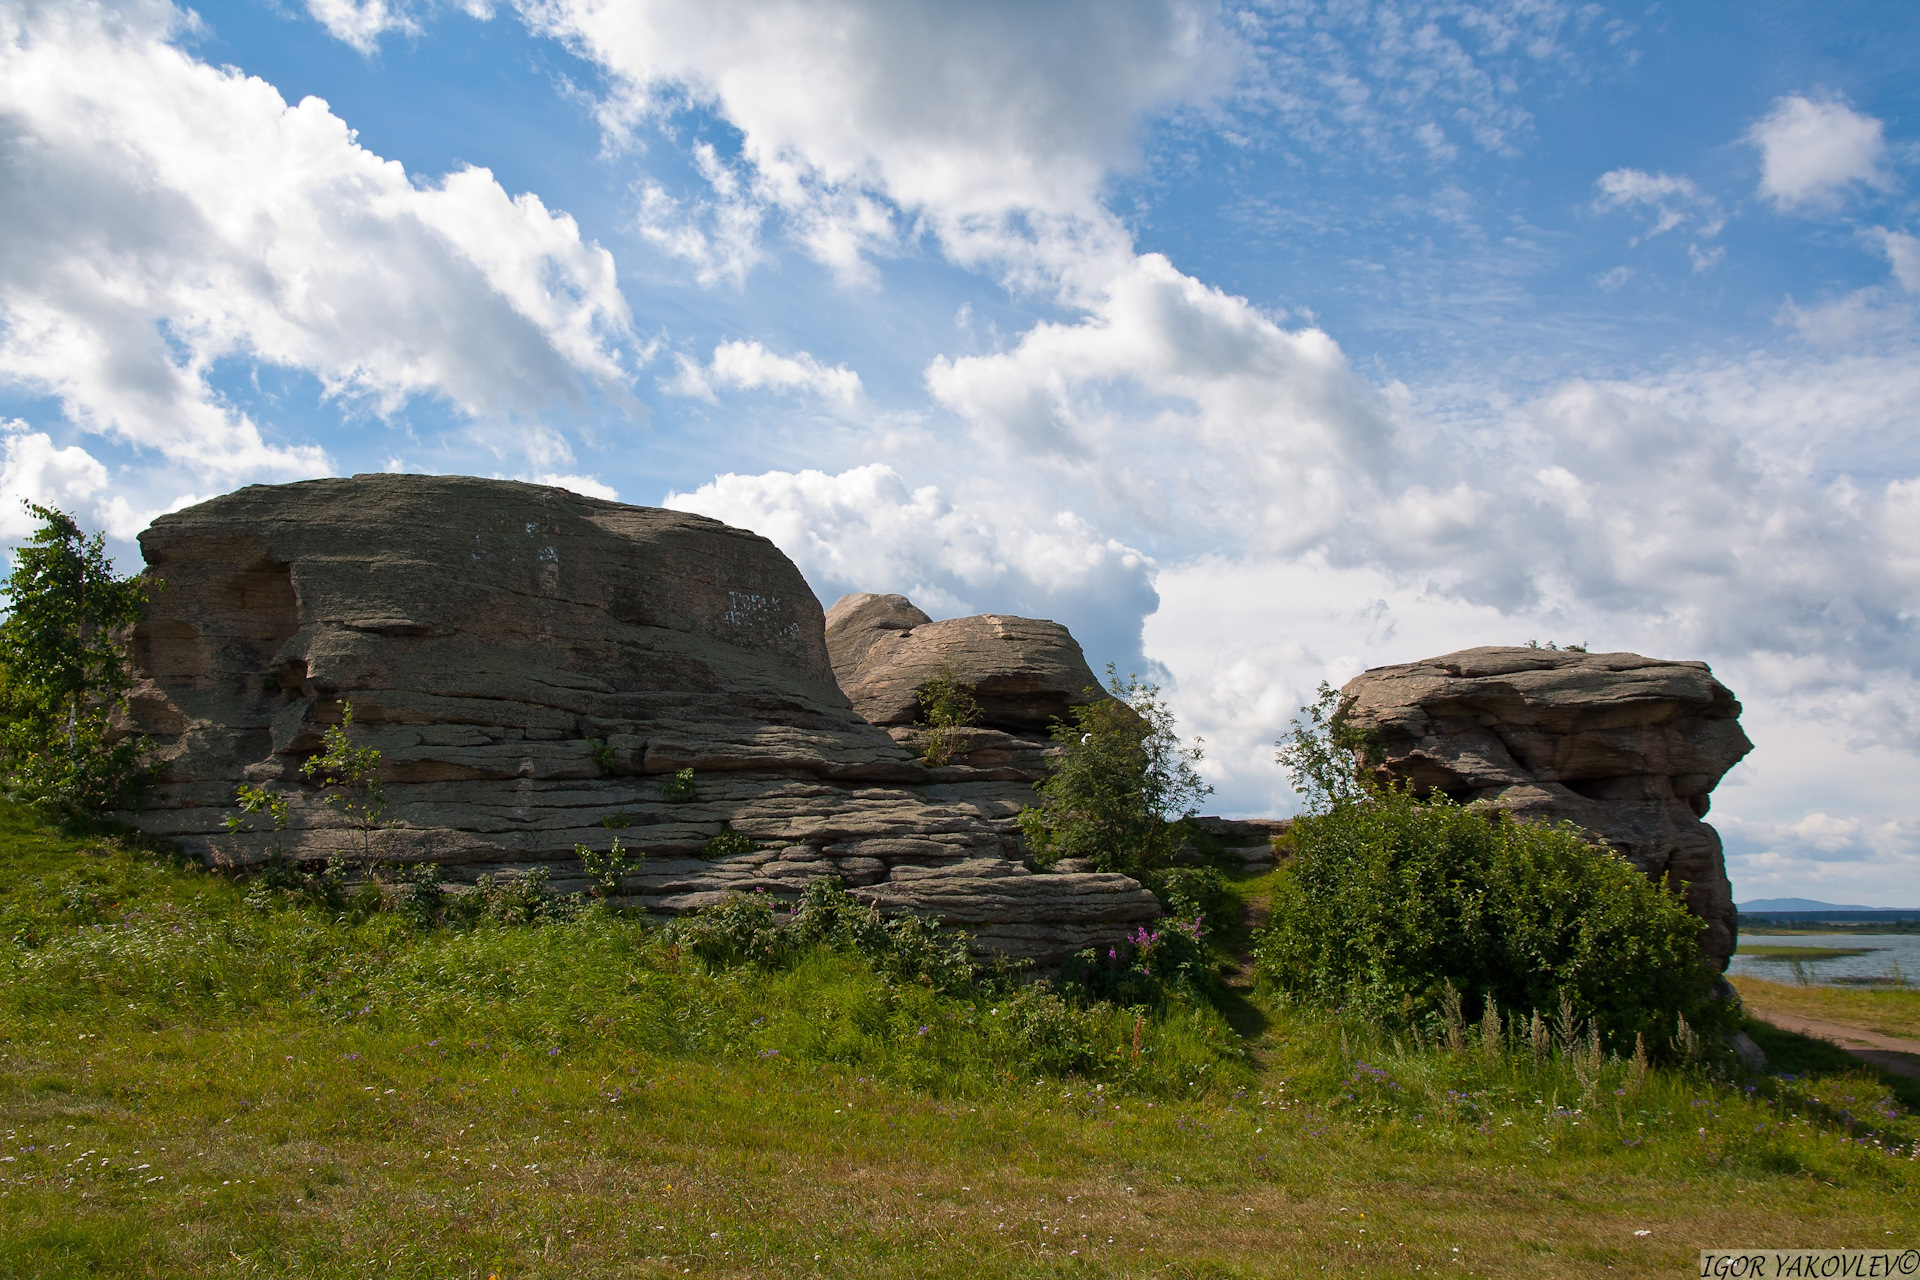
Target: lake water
[1887, 951]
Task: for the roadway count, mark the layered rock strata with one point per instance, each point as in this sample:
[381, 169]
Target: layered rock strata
[532, 665]
[1628, 748]
[1025, 673]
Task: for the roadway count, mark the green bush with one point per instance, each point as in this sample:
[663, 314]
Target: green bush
[949, 707]
[1390, 901]
[1198, 893]
[680, 788]
[1122, 788]
[744, 928]
[728, 844]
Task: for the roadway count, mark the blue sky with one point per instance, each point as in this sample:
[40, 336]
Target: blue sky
[1259, 343]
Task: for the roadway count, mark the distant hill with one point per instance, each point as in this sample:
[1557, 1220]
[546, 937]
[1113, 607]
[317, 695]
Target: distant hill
[1797, 904]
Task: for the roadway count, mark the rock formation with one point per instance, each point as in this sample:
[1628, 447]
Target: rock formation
[1627, 747]
[1024, 672]
[532, 664]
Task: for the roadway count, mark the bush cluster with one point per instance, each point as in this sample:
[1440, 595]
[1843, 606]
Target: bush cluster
[744, 928]
[1391, 902]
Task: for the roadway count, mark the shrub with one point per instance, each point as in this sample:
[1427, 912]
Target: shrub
[904, 948]
[949, 707]
[63, 673]
[605, 871]
[680, 788]
[738, 929]
[1122, 788]
[1198, 893]
[350, 776]
[728, 844]
[1146, 968]
[1390, 900]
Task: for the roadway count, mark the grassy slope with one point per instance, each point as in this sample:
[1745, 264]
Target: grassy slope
[190, 1086]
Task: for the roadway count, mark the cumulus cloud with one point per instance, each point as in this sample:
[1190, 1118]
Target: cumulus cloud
[975, 117]
[748, 366]
[1183, 407]
[164, 215]
[1812, 152]
[70, 479]
[866, 530]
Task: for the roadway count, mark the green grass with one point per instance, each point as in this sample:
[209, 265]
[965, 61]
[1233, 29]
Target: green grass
[193, 1086]
[1806, 953]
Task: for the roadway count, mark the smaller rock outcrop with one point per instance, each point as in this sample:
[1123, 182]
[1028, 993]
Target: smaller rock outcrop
[1025, 672]
[1626, 747]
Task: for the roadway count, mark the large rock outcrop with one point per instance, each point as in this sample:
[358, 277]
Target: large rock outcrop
[532, 664]
[1627, 747]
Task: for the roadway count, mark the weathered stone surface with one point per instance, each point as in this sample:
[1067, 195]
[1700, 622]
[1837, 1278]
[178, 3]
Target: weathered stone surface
[531, 663]
[1025, 672]
[1627, 747]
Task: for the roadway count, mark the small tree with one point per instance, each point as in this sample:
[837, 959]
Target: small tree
[949, 707]
[351, 776]
[1325, 755]
[63, 671]
[1122, 788]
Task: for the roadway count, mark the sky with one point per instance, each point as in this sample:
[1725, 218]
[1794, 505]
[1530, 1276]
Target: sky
[1259, 343]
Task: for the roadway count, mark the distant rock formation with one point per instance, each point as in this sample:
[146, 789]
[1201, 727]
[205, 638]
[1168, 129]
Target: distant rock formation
[1629, 748]
[532, 664]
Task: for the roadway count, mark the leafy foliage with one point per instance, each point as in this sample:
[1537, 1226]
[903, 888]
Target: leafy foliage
[606, 870]
[1122, 788]
[1390, 902]
[1324, 754]
[948, 706]
[679, 789]
[351, 777]
[728, 844]
[1198, 893]
[63, 672]
[1149, 968]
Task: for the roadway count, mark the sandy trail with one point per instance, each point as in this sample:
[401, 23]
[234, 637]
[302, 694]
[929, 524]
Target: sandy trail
[1890, 1053]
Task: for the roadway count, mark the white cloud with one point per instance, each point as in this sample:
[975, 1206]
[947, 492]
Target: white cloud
[591, 486]
[70, 479]
[1903, 254]
[164, 215]
[975, 117]
[749, 366]
[1184, 407]
[1813, 152]
[1669, 202]
[866, 530]
[361, 23]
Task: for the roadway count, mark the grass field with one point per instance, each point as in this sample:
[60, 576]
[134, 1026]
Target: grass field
[192, 1085]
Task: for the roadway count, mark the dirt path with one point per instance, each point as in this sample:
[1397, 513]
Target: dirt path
[1889, 1053]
